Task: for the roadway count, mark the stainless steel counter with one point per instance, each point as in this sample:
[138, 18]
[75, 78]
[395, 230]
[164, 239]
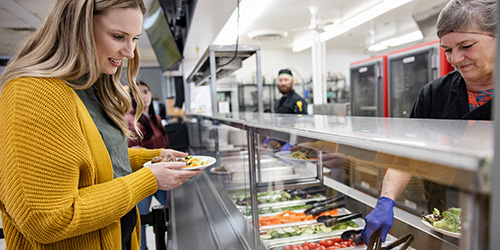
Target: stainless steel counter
[202, 217]
[454, 153]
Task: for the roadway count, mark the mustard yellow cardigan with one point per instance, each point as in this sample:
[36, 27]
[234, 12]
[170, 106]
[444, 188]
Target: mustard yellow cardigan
[56, 180]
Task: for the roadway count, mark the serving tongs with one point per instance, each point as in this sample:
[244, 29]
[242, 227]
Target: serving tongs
[316, 204]
[376, 241]
[319, 210]
[306, 191]
[331, 221]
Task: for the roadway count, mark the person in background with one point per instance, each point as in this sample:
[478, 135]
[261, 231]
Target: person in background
[290, 102]
[466, 29]
[67, 178]
[153, 137]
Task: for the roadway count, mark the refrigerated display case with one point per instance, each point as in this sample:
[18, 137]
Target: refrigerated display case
[409, 70]
[368, 84]
[238, 203]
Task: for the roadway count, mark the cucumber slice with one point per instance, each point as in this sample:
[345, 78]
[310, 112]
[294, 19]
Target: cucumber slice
[266, 237]
[289, 230]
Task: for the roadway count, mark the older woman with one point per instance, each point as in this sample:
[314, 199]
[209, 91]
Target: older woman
[466, 29]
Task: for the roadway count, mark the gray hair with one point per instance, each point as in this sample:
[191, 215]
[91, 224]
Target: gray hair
[459, 15]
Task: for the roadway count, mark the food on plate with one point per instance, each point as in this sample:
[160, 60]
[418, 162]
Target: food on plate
[194, 162]
[273, 144]
[332, 243]
[189, 160]
[220, 170]
[305, 230]
[290, 217]
[308, 154]
[167, 158]
[448, 220]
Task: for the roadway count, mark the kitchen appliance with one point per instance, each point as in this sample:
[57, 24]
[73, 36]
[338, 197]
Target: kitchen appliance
[409, 70]
[368, 81]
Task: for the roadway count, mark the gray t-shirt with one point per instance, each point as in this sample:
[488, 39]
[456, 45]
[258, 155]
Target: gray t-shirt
[114, 139]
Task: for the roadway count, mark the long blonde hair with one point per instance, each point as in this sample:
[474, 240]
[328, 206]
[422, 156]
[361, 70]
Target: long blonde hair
[64, 47]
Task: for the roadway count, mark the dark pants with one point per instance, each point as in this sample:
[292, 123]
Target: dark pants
[127, 225]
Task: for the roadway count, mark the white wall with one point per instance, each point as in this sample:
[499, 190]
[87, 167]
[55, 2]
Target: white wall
[337, 61]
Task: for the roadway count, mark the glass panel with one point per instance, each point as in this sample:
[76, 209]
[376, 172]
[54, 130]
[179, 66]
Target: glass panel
[445, 162]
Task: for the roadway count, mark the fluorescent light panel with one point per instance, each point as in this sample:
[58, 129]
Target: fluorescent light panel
[249, 11]
[364, 16]
[393, 42]
[414, 36]
[377, 47]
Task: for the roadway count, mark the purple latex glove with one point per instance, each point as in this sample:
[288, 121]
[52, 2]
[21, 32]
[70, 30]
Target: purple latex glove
[286, 147]
[380, 217]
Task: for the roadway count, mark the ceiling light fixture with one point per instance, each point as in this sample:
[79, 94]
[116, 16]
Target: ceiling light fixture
[376, 47]
[267, 34]
[249, 11]
[411, 37]
[393, 42]
[376, 10]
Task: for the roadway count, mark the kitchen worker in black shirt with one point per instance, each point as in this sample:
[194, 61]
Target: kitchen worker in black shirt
[467, 33]
[290, 102]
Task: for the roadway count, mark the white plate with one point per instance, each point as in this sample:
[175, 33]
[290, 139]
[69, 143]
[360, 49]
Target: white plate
[210, 160]
[213, 171]
[427, 224]
[285, 155]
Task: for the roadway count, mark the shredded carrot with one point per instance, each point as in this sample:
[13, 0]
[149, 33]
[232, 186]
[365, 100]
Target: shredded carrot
[290, 217]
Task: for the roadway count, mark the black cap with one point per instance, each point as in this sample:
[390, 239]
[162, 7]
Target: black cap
[285, 71]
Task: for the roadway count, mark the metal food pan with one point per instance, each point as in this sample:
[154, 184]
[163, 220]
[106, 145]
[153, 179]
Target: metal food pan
[311, 237]
[341, 211]
[297, 241]
[283, 203]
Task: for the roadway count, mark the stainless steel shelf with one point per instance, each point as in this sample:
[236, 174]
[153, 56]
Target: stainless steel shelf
[219, 61]
[222, 55]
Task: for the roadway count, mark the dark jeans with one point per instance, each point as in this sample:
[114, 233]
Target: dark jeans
[127, 225]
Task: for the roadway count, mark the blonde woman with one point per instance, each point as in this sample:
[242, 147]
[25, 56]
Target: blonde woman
[67, 178]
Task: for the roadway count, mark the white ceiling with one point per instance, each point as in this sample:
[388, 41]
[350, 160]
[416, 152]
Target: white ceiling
[18, 17]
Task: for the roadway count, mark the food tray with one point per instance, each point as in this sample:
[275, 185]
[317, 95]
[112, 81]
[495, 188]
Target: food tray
[296, 241]
[282, 203]
[308, 237]
[247, 211]
[341, 211]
